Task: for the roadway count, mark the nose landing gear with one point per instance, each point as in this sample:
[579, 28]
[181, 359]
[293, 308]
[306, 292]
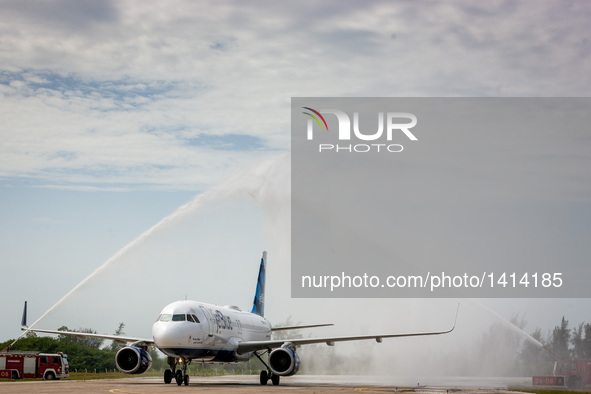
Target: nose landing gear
[180, 376]
[168, 376]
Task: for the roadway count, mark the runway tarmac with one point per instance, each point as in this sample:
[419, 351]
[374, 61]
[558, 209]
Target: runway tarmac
[250, 384]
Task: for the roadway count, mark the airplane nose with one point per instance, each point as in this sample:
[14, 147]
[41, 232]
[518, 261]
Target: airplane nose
[166, 334]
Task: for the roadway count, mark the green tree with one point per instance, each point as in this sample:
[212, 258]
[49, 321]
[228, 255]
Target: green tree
[581, 341]
[80, 356]
[560, 339]
[115, 347]
[497, 354]
[87, 341]
[158, 361]
[535, 360]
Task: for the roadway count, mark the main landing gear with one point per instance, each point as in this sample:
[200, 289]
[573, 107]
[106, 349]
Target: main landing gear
[266, 375]
[180, 376]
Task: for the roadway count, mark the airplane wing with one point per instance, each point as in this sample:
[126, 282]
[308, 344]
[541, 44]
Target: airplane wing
[250, 346]
[83, 335]
[299, 327]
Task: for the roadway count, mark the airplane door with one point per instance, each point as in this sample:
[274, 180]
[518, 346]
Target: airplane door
[212, 322]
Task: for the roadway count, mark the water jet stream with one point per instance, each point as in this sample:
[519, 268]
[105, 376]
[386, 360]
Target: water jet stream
[253, 183]
[509, 324]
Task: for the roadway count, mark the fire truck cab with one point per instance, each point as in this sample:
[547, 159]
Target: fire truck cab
[19, 365]
[577, 373]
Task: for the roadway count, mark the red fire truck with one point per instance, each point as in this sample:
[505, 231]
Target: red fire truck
[18, 365]
[572, 373]
[577, 373]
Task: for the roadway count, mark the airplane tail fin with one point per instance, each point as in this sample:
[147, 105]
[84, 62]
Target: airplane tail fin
[24, 319]
[258, 305]
[24, 328]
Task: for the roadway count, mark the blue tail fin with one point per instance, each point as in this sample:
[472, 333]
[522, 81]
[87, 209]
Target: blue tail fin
[258, 305]
[24, 319]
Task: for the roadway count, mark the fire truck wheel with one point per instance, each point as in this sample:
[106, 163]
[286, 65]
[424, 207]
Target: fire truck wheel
[49, 376]
[575, 382]
[579, 383]
[14, 375]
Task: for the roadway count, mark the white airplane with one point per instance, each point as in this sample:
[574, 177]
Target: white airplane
[189, 331]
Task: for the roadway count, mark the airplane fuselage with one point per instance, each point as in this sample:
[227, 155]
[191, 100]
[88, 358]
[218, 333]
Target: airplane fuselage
[205, 332]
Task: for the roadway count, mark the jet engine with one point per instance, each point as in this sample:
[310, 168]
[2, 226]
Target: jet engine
[133, 360]
[284, 361]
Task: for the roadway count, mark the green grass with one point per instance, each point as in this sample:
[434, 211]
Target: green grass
[547, 391]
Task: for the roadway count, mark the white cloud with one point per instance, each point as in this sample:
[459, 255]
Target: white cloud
[116, 86]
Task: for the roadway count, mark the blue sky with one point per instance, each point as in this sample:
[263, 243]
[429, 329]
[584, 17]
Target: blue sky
[115, 113]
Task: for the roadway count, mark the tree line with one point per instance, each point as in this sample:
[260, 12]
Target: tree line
[563, 342]
[83, 354]
[515, 353]
[80, 356]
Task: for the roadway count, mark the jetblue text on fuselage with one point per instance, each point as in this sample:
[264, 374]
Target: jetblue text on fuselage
[373, 140]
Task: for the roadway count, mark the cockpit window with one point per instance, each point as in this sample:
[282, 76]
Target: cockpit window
[192, 318]
[166, 317]
[178, 317]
